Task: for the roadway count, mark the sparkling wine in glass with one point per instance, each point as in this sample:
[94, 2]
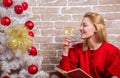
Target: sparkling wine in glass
[68, 33]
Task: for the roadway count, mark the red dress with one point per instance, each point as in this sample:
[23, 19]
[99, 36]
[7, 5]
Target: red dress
[101, 63]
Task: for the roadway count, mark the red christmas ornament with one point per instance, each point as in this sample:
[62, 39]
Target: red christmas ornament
[32, 69]
[30, 33]
[32, 51]
[29, 24]
[5, 77]
[24, 5]
[7, 3]
[5, 21]
[18, 9]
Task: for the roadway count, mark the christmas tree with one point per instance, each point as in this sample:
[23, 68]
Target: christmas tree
[18, 55]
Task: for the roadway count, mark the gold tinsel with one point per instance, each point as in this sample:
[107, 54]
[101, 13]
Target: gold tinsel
[18, 38]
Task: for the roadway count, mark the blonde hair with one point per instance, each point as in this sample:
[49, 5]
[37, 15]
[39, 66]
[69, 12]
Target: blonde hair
[99, 24]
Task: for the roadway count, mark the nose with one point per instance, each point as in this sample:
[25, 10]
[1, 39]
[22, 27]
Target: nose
[81, 28]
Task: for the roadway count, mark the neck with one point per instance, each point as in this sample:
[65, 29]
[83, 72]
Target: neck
[93, 44]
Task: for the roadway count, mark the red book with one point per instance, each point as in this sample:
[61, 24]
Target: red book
[75, 73]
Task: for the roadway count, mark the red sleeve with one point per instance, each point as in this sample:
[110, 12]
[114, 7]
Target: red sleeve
[114, 69]
[69, 62]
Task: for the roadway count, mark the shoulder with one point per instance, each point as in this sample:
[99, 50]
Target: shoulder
[111, 48]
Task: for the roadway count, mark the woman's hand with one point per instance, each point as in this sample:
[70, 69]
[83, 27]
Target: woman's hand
[66, 44]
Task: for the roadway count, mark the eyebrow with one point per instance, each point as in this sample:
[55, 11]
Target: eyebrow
[83, 23]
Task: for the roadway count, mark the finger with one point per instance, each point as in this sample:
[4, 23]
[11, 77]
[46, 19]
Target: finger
[68, 39]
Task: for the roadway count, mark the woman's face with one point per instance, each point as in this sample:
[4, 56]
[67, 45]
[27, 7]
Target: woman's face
[87, 29]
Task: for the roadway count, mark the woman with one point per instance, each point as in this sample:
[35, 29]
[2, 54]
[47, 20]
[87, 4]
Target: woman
[95, 55]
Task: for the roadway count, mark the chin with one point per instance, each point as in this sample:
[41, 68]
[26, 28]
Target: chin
[84, 38]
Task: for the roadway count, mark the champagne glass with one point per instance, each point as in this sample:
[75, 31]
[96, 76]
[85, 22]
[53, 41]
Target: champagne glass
[68, 33]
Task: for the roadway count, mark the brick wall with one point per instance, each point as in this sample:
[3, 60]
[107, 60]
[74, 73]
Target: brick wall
[51, 16]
